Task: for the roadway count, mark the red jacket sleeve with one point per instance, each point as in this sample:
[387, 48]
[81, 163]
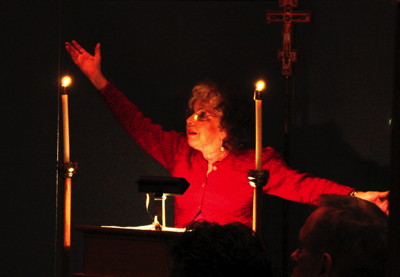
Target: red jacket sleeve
[296, 186]
[160, 144]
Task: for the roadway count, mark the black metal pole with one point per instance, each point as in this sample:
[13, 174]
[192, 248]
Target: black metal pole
[287, 152]
[393, 266]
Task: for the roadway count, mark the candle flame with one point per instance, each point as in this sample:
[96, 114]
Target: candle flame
[260, 85]
[66, 81]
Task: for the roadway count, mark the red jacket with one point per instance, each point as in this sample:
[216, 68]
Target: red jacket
[225, 195]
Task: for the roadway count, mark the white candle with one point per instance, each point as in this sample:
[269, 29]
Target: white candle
[65, 82]
[260, 85]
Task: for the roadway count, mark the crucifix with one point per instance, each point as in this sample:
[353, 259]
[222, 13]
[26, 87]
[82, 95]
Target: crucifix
[287, 54]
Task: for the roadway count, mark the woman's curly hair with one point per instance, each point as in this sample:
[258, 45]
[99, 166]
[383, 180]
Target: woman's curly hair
[235, 107]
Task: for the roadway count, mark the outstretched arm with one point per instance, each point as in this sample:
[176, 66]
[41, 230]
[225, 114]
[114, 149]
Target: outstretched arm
[89, 64]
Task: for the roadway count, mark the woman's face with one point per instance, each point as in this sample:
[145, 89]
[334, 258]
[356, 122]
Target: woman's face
[203, 127]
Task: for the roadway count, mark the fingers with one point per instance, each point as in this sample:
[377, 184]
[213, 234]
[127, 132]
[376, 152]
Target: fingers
[73, 52]
[78, 47]
[383, 205]
[383, 201]
[384, 194]
[97, 50]
[384, 198]
[69, 47]
[75, 49]
[379, 198]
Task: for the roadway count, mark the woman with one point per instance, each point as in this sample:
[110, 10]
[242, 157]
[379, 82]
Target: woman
[209, 155]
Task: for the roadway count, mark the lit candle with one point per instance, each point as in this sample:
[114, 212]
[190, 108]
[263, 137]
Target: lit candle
[65, 82]
[260, 86]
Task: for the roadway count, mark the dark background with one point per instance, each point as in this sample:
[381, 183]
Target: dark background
[154, 51]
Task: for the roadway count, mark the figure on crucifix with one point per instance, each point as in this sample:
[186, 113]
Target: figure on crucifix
[287, 55]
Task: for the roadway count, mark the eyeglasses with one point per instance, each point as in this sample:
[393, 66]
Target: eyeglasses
[202, 116]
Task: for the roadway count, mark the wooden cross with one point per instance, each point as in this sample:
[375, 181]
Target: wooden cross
[287, 55]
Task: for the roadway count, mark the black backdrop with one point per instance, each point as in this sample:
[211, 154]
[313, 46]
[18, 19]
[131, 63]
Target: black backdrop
[154, 51]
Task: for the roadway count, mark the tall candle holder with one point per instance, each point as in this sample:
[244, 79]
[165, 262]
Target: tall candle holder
[258, 177]
[68, 169]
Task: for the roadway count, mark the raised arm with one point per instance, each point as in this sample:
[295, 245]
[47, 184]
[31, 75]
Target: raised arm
[89, 64]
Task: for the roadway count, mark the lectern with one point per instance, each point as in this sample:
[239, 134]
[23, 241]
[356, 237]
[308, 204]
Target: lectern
[124, 252]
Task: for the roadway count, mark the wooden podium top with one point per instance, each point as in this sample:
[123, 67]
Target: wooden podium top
[115, 251]
[128, 231]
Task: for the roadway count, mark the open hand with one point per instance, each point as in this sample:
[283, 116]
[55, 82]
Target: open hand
[89, 64]
[380, 198]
